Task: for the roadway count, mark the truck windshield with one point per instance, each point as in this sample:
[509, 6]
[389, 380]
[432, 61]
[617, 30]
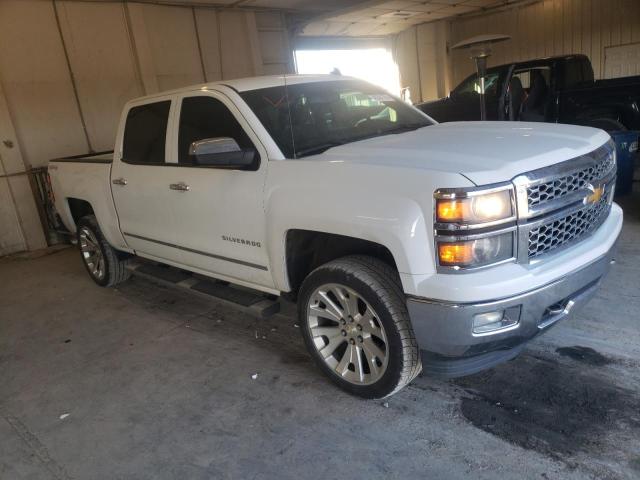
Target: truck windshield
[309, 118]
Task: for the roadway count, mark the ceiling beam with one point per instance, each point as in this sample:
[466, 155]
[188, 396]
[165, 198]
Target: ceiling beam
[237, 5]
[361, 5]
[500, 5]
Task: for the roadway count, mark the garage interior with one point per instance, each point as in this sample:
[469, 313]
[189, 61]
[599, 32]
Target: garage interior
[144, 381]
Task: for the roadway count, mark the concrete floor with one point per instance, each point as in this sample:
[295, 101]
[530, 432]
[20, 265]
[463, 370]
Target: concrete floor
[143, 382]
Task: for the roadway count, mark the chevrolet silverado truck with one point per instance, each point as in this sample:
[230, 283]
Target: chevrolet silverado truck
[406, 243]
[557, 89]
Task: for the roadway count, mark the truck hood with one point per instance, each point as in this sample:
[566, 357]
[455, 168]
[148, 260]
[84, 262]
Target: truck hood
[484, 152]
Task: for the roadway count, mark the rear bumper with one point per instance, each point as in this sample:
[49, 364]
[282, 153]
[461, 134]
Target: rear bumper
[444, 330]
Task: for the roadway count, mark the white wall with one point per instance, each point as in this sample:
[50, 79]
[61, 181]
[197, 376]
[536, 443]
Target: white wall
[67, 68]
[421, 55]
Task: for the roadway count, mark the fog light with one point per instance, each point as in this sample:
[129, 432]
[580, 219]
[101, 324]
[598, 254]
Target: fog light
[496, 320]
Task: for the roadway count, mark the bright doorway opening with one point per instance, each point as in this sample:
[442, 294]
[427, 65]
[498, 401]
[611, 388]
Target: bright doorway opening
[375, 65]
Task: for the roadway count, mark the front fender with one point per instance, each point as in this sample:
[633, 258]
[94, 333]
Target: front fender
[388, 206]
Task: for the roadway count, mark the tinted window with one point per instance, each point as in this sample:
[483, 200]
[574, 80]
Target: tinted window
[472, 85]
[145, 133]
[573, 73]
[206, 117]
[528, 74]
[309, 118]
[587, 71]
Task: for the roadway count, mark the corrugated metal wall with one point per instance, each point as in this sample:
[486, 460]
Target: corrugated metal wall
[552, 27]
[538, 29]
[423, 62]
[67, 68]
[113, 52]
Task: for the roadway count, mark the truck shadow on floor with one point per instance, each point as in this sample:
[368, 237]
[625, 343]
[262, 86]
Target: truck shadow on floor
[564, 405]
[559, 410]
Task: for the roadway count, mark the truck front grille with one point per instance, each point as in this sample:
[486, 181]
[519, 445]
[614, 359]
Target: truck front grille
[565, 230]
[557, 206]
[558, 187]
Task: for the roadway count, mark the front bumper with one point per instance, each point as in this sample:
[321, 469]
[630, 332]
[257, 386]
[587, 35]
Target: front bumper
[445, 333]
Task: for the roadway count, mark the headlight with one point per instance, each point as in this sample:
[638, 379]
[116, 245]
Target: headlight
[475, 227]
[476, 252]
[474, 208]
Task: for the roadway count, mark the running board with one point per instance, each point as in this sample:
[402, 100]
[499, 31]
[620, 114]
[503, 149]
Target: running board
[262, 304]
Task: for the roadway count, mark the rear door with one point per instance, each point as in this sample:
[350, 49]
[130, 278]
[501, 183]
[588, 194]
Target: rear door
[219, 220]
[141, 181]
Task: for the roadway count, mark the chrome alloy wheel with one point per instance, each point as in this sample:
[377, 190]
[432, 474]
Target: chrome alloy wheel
[92, 253]
[347, 334]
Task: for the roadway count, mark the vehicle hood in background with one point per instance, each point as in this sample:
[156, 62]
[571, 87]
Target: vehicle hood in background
[484, 152]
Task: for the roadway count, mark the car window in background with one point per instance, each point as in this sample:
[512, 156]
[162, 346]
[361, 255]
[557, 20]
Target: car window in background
[145, 133]
[575, 73]
[309, 118]
[472, 85]
[526, 74]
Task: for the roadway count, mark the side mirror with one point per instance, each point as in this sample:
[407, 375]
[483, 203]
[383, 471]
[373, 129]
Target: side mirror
[221, 152]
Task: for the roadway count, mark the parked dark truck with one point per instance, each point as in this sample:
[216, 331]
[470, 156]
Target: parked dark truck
[556, 89]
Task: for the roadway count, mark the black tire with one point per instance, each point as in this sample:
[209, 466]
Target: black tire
[377, 284]
[114, 269]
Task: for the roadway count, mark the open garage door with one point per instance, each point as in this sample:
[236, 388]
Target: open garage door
[368, 59]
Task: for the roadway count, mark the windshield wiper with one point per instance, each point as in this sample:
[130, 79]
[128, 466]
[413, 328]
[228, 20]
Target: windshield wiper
[316, 149]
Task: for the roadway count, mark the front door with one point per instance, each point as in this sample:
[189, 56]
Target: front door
[465, 99]
[219, 216]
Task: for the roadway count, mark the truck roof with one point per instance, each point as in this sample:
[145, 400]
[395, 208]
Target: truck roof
[252, 83]
[534, 61]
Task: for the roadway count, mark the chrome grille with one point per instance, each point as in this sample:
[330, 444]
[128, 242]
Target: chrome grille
[561, 232]
[558, 187]
[554, 208]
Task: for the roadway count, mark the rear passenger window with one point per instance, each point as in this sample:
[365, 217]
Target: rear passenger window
[145, 133]
[573, 74]
[205, 117]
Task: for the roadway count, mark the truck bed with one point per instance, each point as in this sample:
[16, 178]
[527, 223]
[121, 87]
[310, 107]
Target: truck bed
[86, 179]
[98, 157]
[620, 82]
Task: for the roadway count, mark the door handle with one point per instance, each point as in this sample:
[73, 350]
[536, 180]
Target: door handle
[119, 181]
[181, 187]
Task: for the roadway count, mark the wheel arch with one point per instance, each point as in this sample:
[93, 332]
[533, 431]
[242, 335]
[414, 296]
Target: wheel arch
[305, 250]
[608, 118]
[72, 209]
[79, 208]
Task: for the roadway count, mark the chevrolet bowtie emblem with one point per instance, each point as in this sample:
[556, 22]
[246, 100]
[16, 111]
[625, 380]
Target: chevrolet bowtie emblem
[595, 195]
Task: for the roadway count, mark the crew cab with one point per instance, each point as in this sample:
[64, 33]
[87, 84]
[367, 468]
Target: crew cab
[407, 244]
[556, 89]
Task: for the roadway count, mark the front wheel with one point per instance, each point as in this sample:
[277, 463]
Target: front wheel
[105, 265]
[355, 324]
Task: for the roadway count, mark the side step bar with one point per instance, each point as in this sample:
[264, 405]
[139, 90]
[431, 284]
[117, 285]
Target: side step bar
[261, 304]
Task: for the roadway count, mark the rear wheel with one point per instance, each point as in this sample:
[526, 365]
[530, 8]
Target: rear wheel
[356, 326]
[105, 265]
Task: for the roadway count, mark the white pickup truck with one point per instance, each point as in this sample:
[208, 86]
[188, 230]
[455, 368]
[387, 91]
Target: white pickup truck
[406, 243]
